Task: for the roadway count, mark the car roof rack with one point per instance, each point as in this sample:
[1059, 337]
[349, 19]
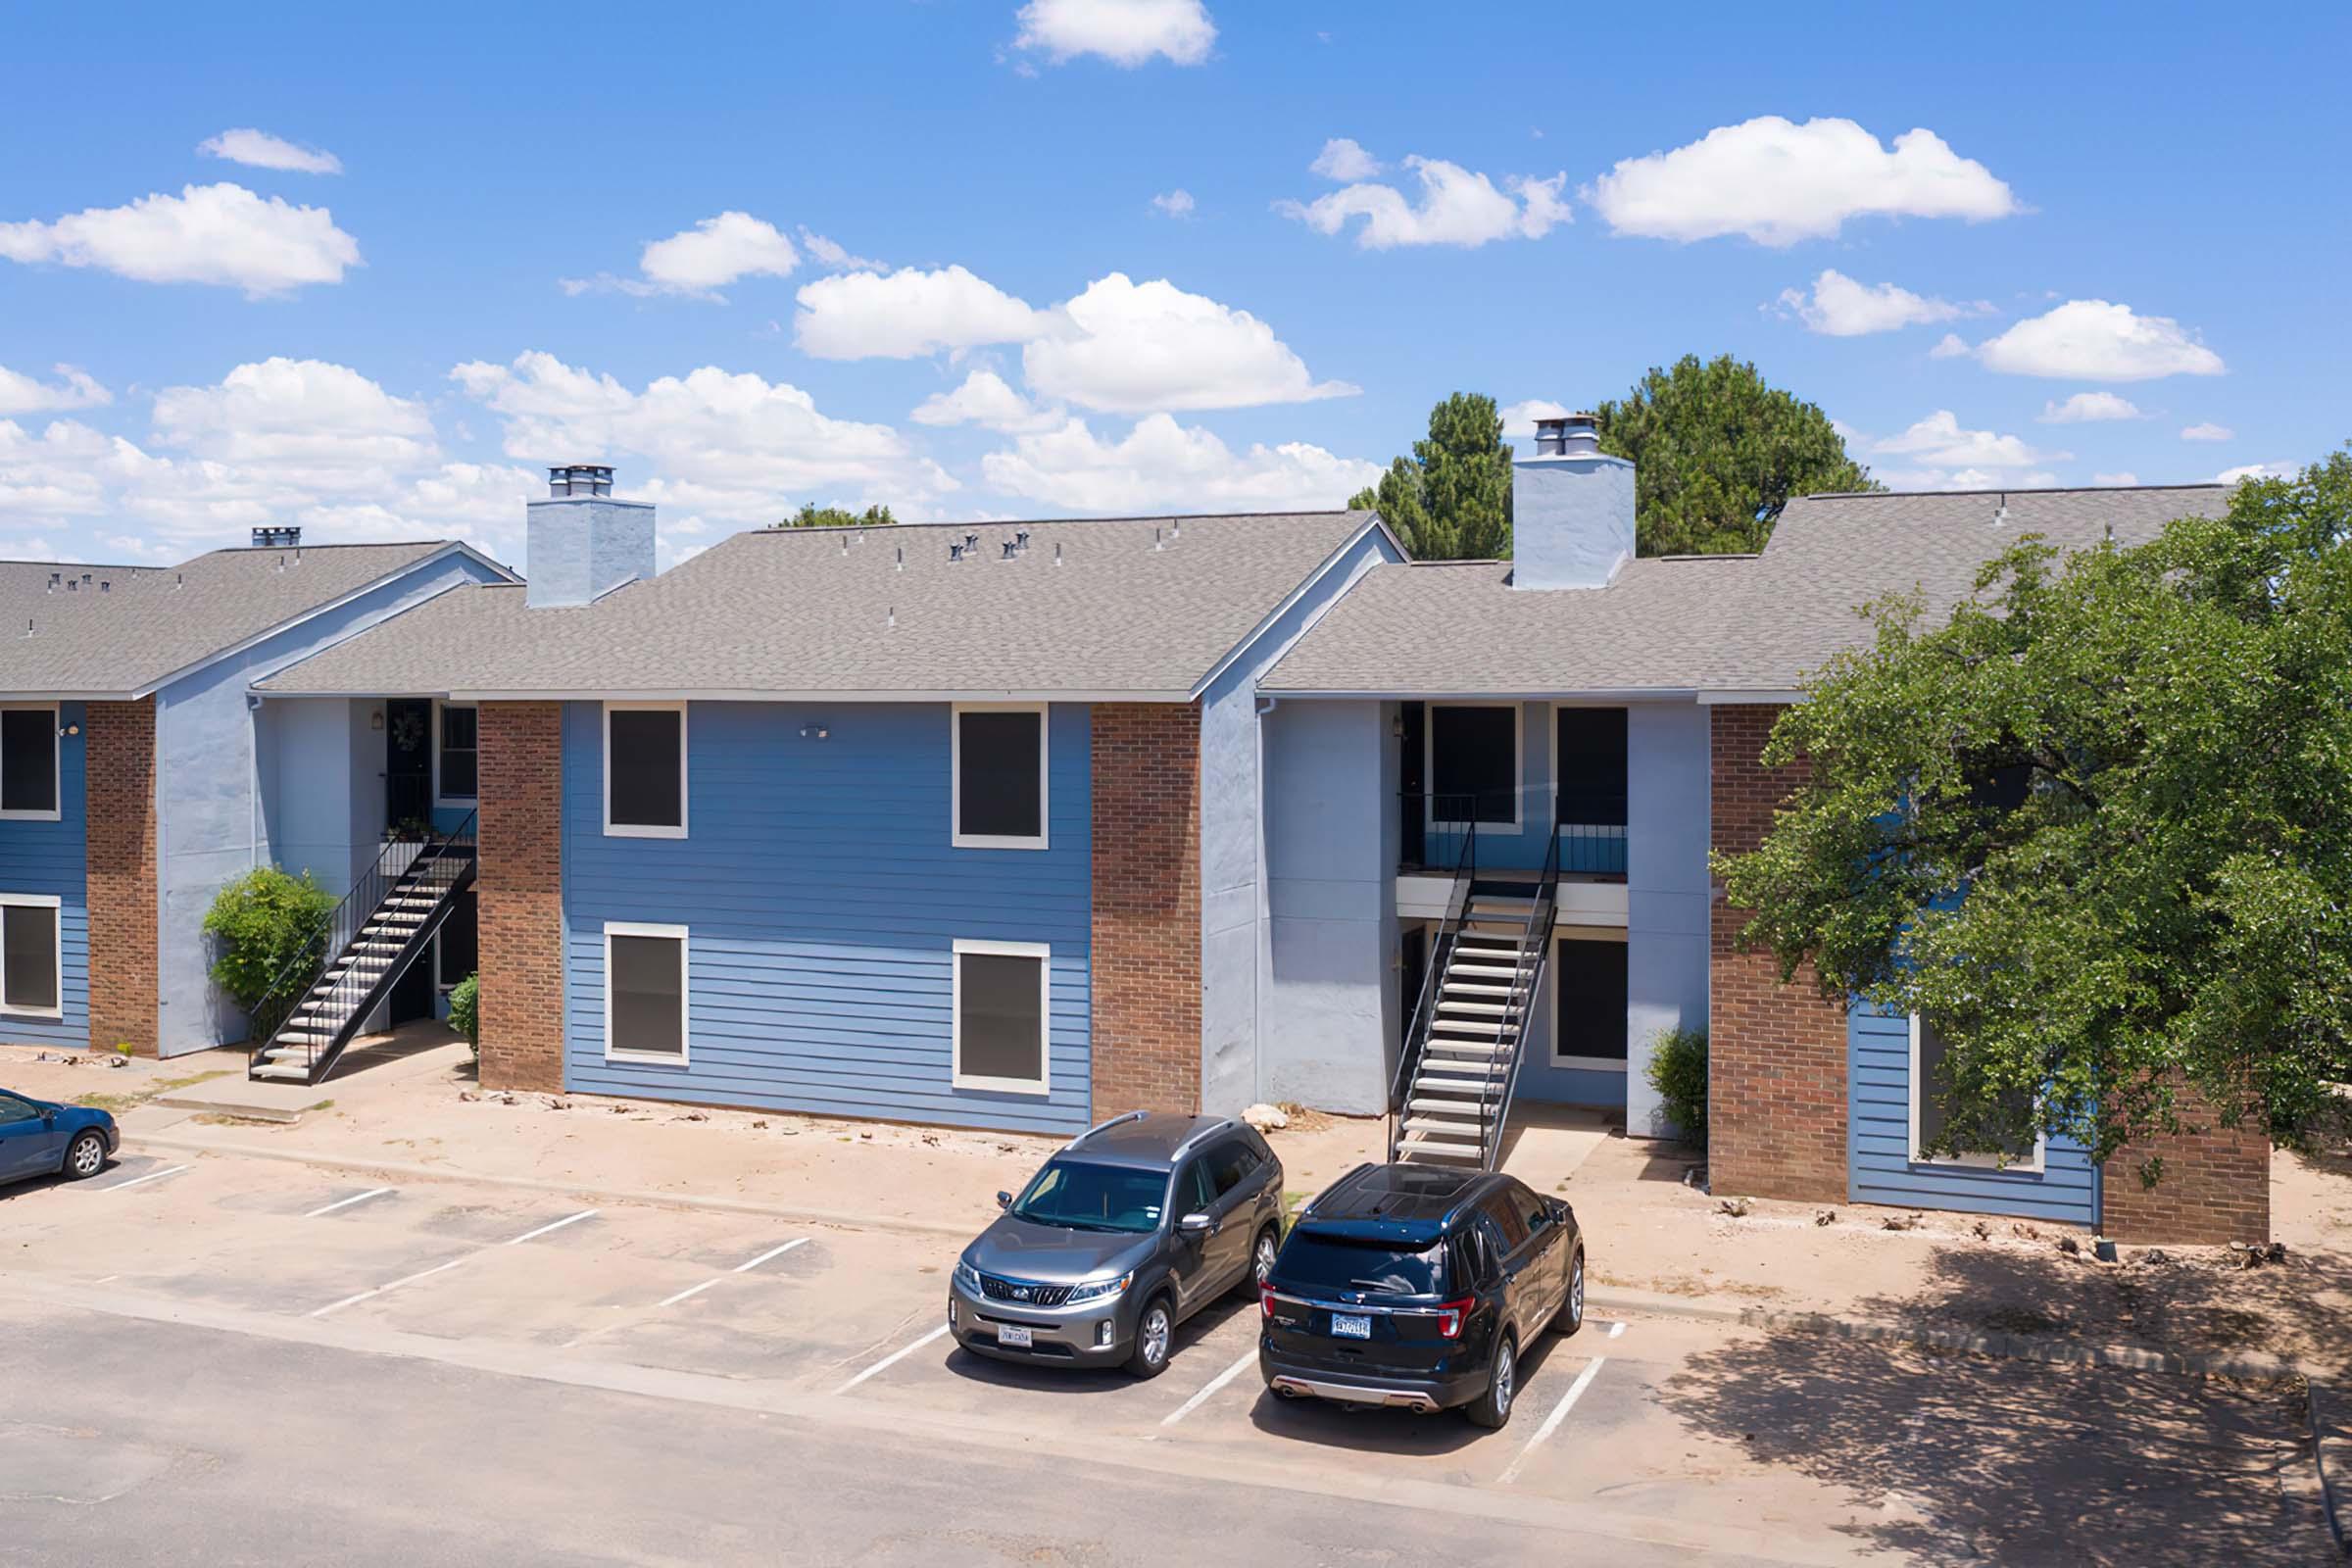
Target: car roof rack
[1220, 1125]
[1105, 1126]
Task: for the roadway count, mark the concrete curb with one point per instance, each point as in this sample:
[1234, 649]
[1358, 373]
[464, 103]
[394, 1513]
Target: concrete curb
[2332, 1452]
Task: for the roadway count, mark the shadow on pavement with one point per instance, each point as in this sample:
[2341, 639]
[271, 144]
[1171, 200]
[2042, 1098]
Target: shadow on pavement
[1374, 1429]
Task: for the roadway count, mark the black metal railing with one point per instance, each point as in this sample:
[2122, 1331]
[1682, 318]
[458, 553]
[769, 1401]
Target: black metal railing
[326, 991]
[1586, 849]
[1527, 975]
[408, 804]
[1433, 983]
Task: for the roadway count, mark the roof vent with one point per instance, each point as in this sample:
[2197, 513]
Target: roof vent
[1571, 435]
[579, 479]
[276, 538]
[55, 578]
[1012, 547]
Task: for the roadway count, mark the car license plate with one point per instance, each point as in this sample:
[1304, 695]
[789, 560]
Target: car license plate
[1348, 1326]
[1013, 1335]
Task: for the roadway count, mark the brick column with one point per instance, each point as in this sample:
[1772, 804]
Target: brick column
[1147, 908]
[119, 854]
[519, 894]
[1777, 1108]
[2214, 1186]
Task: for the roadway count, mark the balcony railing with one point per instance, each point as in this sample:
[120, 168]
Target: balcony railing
[1586, 849]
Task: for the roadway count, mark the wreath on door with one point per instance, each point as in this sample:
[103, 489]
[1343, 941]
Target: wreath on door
[408, 729]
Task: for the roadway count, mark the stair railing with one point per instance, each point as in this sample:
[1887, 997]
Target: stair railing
[1527, 975]
[1433, 980]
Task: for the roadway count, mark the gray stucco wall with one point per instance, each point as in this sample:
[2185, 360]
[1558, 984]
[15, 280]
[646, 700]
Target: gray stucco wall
[1572, 520]
[1666, 830]
[577, 547]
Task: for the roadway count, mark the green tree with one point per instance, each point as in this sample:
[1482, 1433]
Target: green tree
[260, 923]
[1451, 499]
[812, 515]
[1717, 454]
[2097, 826]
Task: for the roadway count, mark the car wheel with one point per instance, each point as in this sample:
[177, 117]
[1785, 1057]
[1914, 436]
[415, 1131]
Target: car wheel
[1572, 1310]
[1155, 1337]
[1493, 1408]
[86, 1156]
[1263, 1253]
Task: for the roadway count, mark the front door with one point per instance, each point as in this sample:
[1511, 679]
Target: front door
[407, 761]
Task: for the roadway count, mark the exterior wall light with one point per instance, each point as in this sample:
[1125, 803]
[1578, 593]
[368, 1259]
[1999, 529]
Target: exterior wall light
[814, 732]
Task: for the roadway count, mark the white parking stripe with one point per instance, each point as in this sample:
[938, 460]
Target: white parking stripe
[691, 1290]
[151, 1176]
[1559, 1413]
[1616, 1329]
[442, 1268]
[740, 1268]
[346, 1203]
[1210, 1392]
[892, 1359]
[568, 1220]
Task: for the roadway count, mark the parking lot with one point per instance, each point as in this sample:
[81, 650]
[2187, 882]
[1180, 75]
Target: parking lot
[1790, 1447]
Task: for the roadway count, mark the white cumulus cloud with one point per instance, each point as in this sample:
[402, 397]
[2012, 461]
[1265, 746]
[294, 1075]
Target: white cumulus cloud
[2094, 340]
[1455, 206]
[1125, 33]
[219, 234]
[1519, 418]
[74, 389]
[986, 399]
[305, 422]
[2256, 470]
[1779, 182]
[2126, 478]
[258, 149]
[1161, 465]
[2208, 432]
[836, 257]
[1344, 159]
[1174, 203]
[701, 260]
[1940, 441]
[2090, 408]
[901, 314]
[1840, 307]
[1132, 347]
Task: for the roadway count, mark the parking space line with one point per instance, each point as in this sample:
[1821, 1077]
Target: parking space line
[346, 1203]
[1209, 1390]
[1616, 1329]
[1559, 1413]
[740, 1268]
[568, 1220]
[151, 1176]
[892, 1359]
[442, 1268]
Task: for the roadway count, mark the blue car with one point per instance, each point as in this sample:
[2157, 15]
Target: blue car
[40, 1139]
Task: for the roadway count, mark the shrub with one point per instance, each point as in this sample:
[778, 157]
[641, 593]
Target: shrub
[1678, 1072]
[260, 923]
[465, 1010]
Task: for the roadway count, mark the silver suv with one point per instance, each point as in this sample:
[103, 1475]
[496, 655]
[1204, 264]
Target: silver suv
[1130, 1229]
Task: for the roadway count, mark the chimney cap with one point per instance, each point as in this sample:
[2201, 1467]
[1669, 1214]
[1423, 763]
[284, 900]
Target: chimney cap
[1568, 434]
[276, 538]
[579, 479]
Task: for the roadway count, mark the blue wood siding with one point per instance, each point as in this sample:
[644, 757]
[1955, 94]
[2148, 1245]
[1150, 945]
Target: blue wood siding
[823, 901]
[1878, 1164]
[50, 858]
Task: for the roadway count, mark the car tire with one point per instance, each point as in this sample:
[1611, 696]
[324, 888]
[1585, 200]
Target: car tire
[1154, 1339]
[86, 1156]
[1493, 1408]
[1571, 1315]
[1263, 1253]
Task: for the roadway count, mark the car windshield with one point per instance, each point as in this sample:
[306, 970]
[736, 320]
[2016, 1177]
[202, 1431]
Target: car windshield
[1311, 1260]
[1079, 1195]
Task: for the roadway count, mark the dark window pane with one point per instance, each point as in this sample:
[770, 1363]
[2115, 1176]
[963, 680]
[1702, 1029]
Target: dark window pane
[1474, 763]
[461, 948]
[27, 759]
[647, 989]
[29, 945]
[1933, 1086]
[1311, 1260]
[13, 1110]
[457, 752]
[1229, 1164]
[458, 728]
[1591, 758]
[998, 785]
[643, 766]
[1591, 989]
[1506, 1218]
[1001, 1029]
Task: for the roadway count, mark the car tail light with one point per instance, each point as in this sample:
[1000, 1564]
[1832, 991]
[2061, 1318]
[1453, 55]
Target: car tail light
[1265, 1299]
[1450, 1316]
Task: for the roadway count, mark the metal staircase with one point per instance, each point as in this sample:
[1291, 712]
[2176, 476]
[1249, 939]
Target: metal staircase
[385, 923]
[1460, 1064]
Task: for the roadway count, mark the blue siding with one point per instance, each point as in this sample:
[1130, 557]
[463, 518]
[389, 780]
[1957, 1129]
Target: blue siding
[50, 858]
[823, 901]
[1878, 1164]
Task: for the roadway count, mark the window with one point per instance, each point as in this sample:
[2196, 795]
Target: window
[998, 756]
[458, 944]
[1192, 1193]
[644, 993]
[1505, 1216]
[1591, 746]
[28, 761]
[457, 759]
[1929, 1084]
[1589, 998]
[1474, 764]
[1230, 1164]
[999, 1029]
[13, 1110]
[645, 770]
[1077, 1192]
[32, 979]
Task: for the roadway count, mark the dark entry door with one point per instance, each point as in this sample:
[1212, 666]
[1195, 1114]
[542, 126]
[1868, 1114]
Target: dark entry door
[407, 760]
[1412, 971]
[1410, 756]
[413, 993]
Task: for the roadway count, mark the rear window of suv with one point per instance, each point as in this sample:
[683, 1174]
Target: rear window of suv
[1312, 1261]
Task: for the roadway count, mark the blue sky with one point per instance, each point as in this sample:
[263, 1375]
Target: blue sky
[924, 262]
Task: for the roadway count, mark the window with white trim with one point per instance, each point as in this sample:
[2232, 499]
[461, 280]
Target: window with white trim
[33, 978]
[456, 754]
[997, 793]
[1473, 763]
[645, 770]
[1588, 1001]
[1928, 1118]
[1000, 1004]
[29, 789]
[644, 993]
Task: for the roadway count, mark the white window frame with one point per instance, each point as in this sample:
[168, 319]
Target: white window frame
[640, 830]
[57, 763]
[957, 837]
[652, 1058]
[1551, 999]
[466, 801]
[957, 1078]
[1430, 820]
[57, 947]
[1916, 1085]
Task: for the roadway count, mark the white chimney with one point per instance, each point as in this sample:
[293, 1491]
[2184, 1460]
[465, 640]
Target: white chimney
[1572, 509]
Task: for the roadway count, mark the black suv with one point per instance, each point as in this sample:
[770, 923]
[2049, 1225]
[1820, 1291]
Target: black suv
[1417, 1286]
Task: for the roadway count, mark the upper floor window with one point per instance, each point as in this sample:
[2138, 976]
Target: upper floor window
[28, 761]
[1474, 763]
[457, 755]
[998, 760]
[645, 770]
[32, 974]
[1591, 767]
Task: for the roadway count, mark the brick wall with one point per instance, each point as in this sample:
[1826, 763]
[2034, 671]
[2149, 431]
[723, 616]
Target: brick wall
[519, 894]
[119, 850]
[2215, 1185]
[1777, 1109]
[1147, 908]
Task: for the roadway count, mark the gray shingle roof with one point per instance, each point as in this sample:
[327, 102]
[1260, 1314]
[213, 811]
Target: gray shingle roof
[125, 628]
[833, 611]
[1725, 623]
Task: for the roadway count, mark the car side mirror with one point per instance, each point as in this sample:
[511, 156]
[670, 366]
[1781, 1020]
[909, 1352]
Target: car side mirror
[1003, 1200]
[1195, 1225]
